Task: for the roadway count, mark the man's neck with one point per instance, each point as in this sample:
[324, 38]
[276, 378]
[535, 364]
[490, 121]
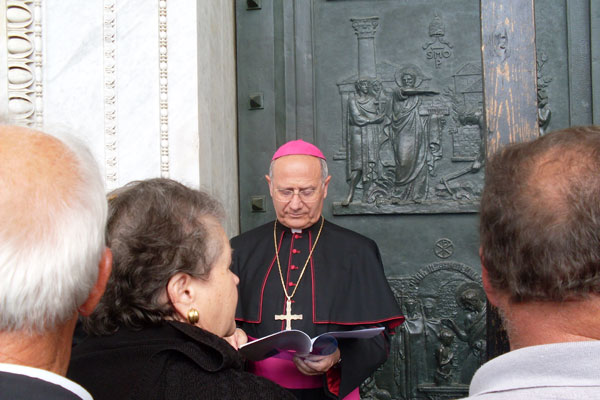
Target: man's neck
[312, 227]
[536, 323]
[49, 350]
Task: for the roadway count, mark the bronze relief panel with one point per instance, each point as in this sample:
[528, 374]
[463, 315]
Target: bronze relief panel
[435, 352]
[411, 133]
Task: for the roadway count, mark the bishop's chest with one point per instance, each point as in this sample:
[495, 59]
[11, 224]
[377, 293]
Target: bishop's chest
[295, 273]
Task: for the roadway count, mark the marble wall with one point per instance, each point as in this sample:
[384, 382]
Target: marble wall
[149, 85]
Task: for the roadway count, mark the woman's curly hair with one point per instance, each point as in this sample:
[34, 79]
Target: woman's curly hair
[156, 228]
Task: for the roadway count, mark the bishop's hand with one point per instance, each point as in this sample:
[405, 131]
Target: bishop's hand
[317, 365]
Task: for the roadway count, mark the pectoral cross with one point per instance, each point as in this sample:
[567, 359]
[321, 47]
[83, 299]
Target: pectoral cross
[288, 316]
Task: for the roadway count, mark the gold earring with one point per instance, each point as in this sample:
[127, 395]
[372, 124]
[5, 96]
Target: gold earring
[193, 316]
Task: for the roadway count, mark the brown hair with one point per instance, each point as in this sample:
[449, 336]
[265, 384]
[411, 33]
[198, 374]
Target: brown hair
[540, 217]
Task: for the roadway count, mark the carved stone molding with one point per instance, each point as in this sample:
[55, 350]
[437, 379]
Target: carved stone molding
[110, 93]
[25, 62]
[164, 88]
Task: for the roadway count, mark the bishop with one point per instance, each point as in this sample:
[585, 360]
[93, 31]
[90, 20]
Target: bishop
[333, 277]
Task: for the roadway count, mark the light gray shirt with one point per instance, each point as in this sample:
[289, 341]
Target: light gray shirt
[552, 371]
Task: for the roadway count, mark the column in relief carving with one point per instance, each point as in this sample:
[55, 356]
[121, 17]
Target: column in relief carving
[365, 29]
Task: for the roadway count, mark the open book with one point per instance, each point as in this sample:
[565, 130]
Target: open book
[300, 343]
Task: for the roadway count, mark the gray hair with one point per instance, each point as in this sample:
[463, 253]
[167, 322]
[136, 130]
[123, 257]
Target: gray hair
[49, 260]
[156, 229]
[324, 170]
[540, 217]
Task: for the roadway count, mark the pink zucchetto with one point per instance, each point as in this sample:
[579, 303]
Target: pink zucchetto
[298, 147]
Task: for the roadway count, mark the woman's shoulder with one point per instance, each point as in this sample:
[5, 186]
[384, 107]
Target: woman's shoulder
[199, 364]
[211, 367]
[183, 381]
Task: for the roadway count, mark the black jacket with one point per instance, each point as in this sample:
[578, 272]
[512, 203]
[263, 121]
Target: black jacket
[170, 361]
[22, 387]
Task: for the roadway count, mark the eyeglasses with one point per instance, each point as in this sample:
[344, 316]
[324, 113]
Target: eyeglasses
[306, 195]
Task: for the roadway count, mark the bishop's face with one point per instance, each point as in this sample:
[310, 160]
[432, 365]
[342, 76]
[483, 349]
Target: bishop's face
[297, 190]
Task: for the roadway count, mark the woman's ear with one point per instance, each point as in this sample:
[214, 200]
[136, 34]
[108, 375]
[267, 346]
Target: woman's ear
[181, 294]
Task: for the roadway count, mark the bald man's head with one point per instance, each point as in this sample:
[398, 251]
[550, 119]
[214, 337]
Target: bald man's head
[540, 217]
[38, 174]
[52, 216]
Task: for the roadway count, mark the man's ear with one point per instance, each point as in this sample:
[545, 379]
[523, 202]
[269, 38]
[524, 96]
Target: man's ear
[181, 293]
[490, 291]
[269, 183]
[104, 270]
[326, 185]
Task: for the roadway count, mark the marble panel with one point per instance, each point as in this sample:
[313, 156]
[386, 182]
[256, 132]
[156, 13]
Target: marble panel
[149, 85]
[72, 71]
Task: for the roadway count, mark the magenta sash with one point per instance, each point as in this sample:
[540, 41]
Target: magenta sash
[282, 370]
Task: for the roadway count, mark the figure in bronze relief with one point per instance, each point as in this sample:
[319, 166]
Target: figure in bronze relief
[364, 118]
[472, 299]
[444, 356]
[543, 81]
[413, 330]
[409, 132]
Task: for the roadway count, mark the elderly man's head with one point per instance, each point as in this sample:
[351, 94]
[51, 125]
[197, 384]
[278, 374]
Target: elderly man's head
[540, 218]
[298, 181]
[52, 218]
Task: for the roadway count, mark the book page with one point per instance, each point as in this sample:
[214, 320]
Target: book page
[268, 346]
[299, 343]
